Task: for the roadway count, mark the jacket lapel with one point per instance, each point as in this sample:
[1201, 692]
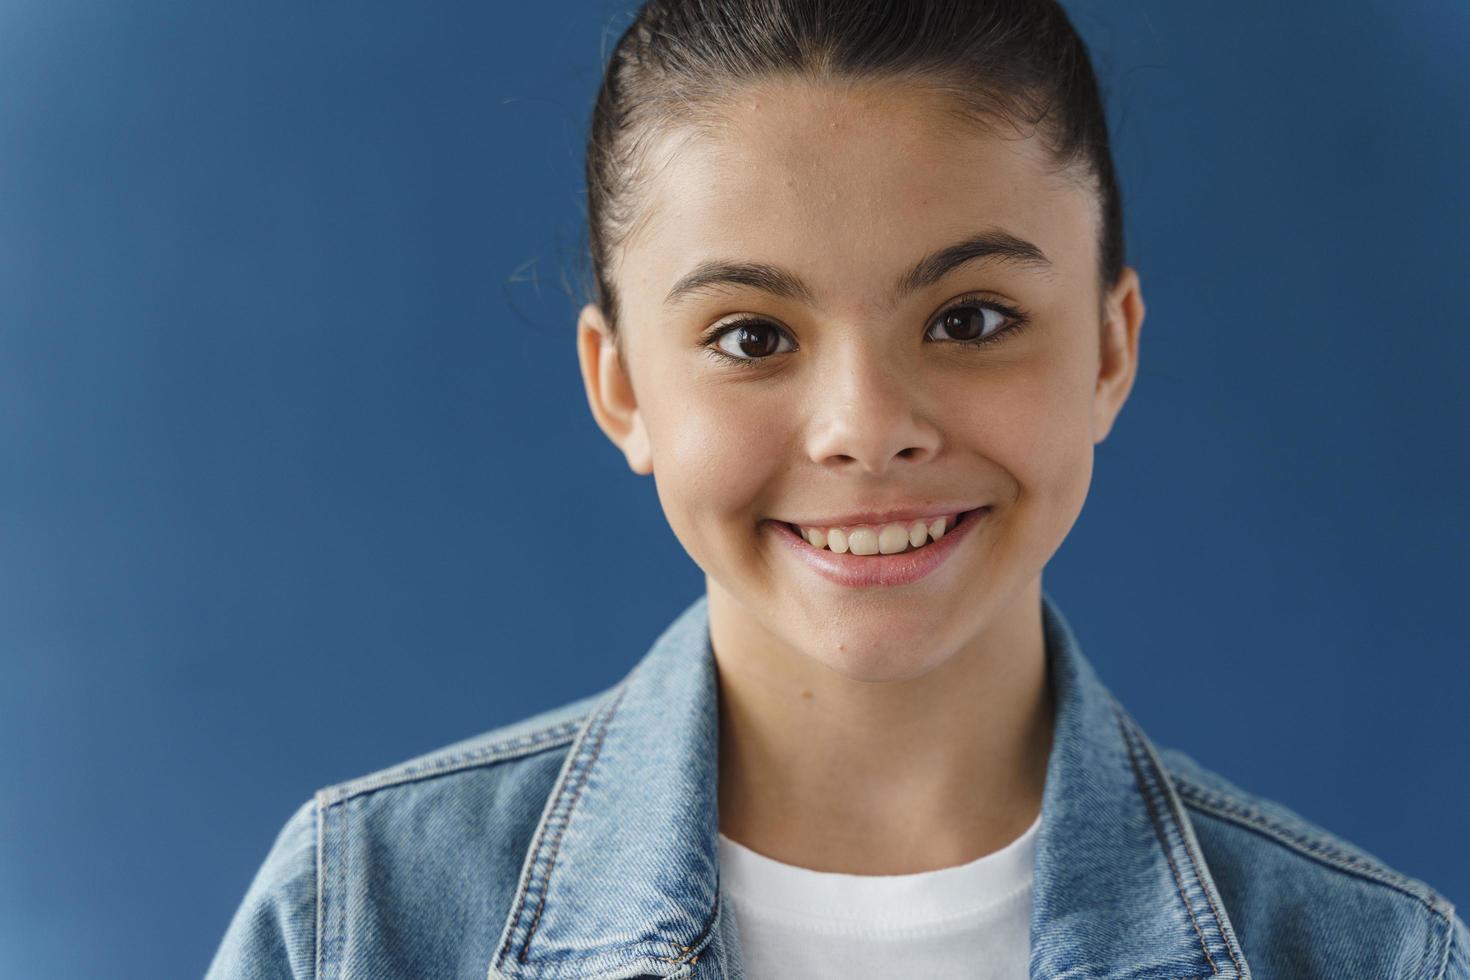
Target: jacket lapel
[1121, 888]
[621, 879]
[622, 875]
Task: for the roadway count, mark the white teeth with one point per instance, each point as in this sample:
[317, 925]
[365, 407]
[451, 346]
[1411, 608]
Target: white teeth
[918, 533]
[862, 541]
[887, 539]
[893, 539]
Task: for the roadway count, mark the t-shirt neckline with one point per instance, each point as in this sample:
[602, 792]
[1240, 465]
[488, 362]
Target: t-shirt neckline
[752, 878]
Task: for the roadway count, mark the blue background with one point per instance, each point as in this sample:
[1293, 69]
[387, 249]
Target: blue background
[297, 477]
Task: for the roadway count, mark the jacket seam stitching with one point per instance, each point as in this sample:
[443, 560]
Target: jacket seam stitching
[690, 954]
[554, 846]
[1168, 856]
[344, 860]
[1323, 852]
[320, 876]
[515, 748]
[1449, 941]
[331, 890]
[529, 873]
[613, 960]
[1171, 795]
[1424, 954]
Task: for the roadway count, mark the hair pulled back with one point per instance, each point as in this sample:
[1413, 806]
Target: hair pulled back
[679, 62]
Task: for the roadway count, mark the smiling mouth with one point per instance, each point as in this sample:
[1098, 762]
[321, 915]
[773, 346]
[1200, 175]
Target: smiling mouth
[892, 538]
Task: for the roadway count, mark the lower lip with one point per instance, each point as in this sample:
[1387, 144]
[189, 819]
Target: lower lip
[862, 571]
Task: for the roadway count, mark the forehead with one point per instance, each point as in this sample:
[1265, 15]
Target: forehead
[846, 183]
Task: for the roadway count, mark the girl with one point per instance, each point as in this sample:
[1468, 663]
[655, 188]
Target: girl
[861, 310]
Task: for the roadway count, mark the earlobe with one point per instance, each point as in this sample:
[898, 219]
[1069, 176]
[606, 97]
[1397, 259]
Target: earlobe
[1118, 352]
[610, 390]
[637, 450]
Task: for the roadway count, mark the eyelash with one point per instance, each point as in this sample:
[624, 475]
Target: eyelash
[1017, 320]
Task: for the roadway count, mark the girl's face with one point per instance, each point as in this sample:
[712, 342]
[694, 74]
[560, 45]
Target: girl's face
[855, 391]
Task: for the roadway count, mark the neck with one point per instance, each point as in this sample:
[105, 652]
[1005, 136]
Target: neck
[825, 772]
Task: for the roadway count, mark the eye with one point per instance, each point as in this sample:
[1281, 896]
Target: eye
[978, 321]
[971, 320]
[747, 340]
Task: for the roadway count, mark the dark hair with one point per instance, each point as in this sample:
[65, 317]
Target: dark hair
[679, 61]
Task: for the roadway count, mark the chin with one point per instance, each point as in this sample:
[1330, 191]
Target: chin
[879, 662]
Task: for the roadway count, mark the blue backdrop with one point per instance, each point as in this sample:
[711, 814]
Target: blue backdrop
[295, 462]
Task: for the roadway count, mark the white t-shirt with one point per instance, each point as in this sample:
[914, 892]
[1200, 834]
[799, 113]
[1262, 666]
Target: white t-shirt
[967, 922]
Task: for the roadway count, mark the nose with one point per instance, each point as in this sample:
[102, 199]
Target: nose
[872, 410]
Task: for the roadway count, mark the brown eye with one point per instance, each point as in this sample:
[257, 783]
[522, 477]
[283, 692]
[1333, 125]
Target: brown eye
[969, 322]
[751, 340]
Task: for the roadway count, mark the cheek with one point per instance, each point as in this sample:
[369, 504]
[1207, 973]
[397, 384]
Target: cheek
[1033, 421]
[713, 457]
[1061, 468]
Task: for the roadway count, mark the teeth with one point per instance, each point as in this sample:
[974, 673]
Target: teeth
[893, 539]
[918, 533]
[886, 539]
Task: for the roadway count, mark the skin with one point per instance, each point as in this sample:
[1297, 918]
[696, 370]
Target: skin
[891, 729]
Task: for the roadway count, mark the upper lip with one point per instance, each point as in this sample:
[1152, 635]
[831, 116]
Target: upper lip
[897, 515]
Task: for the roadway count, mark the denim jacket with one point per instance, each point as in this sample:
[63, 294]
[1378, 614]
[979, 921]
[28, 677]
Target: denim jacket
[581, 843]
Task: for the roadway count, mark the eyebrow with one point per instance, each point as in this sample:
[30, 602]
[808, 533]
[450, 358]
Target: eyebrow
[993, 244]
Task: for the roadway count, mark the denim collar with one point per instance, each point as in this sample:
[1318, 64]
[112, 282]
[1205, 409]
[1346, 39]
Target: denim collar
[621, 878]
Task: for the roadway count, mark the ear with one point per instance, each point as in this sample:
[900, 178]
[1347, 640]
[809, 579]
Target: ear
[1122, 319]
[610, 390]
